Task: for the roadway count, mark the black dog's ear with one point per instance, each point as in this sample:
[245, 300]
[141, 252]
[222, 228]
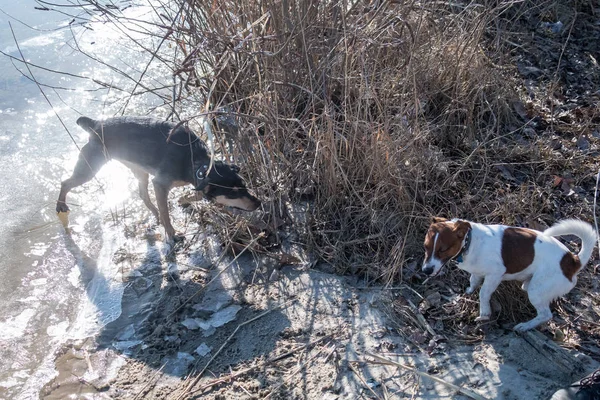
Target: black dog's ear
[235, 168]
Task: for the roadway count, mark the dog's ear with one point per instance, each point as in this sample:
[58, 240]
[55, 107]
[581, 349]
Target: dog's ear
[461, 228]
[435, 220]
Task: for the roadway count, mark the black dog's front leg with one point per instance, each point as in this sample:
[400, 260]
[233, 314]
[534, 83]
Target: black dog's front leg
[161, 192]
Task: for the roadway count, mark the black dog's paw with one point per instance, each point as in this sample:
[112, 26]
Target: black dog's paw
[63, 216]
[62, 207]
[171, 243]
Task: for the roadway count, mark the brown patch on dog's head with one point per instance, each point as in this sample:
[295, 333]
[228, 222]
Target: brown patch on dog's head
[246, 202]
[570, 265]
[443, 241]
[518, 249]
[223, 184]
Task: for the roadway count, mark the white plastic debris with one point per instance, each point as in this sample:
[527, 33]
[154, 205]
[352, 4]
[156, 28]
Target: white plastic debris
[203, 350]
[216, 320]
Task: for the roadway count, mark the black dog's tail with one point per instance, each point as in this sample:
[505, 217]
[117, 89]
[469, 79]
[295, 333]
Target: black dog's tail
[88, 124]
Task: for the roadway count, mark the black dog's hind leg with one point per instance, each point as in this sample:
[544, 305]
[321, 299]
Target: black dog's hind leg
[91, 159]
[142, 177]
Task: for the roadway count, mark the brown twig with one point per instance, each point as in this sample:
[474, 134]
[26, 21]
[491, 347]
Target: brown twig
[258, 366]
[151, 381]
[362, 380]
[187, 390]
[466, 392]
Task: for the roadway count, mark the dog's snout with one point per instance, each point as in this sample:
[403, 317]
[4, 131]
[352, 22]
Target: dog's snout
[251, 203]
[246, 202]
[428, 269]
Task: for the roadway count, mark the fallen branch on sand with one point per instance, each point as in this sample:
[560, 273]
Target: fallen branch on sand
[300, 367]
[257, 366]
[466, 392]
[362, 380]
[216, 276]
[189, 387]
[150, 382]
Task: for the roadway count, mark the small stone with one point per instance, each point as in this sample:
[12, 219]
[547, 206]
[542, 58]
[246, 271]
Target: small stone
[203, 350]
[583, 143]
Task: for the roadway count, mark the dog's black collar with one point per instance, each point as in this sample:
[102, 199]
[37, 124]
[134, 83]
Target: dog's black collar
[201, 172]
[459, 257]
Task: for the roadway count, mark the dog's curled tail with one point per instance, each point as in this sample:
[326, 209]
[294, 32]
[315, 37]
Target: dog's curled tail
[581, 229]
[87, 123]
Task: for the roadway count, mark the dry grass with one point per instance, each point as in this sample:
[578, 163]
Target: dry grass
[382, 114]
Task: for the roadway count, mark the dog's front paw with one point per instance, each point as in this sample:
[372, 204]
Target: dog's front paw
[171, 242]
[470, 290]
[485, 317]
[63, 217]
[522, 327]
[61, 207]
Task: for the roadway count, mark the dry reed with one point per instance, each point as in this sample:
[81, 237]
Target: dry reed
[380, 114]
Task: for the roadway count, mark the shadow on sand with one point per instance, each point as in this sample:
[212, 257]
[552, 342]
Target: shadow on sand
[314, 343]
[176, 312]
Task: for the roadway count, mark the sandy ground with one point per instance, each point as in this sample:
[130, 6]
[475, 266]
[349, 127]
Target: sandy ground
[196, 325]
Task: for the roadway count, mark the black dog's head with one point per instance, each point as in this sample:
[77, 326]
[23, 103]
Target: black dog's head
[224, 185]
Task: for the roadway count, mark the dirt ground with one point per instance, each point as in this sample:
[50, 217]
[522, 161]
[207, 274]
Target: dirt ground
[197, 324]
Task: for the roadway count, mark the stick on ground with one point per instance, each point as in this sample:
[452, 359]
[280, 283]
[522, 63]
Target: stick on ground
[466, 392]
[189, 387]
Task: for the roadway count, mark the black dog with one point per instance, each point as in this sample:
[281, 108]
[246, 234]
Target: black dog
[144, 145]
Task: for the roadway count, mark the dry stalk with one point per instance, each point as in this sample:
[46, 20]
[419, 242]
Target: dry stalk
[151, 382]
[215, 277]
[297, 370]
[270, 361]
[362, 380]
[466, 392]
[190, 385]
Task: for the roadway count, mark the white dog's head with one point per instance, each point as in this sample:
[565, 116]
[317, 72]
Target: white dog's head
[443, 241]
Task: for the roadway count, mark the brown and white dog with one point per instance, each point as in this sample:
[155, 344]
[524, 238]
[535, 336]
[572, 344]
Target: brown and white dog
[495, 253]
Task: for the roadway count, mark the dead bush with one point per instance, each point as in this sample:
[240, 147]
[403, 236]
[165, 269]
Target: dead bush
[379, 114]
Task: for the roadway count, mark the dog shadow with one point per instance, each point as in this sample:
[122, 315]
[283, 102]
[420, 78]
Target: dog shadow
[176, 311]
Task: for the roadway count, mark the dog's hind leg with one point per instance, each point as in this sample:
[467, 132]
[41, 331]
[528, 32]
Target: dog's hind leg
[91, 159]
[490, 284]
[541, 291]
[142, 177]
[542, 306]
